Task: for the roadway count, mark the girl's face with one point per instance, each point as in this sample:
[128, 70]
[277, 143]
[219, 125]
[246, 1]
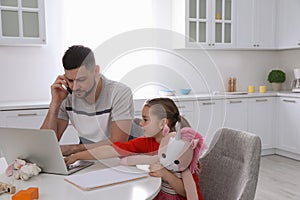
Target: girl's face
[150, 123]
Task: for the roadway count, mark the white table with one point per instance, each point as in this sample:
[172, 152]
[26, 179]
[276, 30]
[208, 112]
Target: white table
[55, 187]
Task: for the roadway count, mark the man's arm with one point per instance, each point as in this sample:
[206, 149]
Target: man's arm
[52, 122]
[120, 131]
[58, 95]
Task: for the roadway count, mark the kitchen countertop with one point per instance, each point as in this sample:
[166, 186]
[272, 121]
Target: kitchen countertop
[21, 105]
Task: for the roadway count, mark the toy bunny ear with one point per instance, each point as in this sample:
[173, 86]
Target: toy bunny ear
[9, 169]
[194, 143]
[178, 131]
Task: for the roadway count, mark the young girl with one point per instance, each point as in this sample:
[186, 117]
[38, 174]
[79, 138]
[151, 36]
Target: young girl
[156, 114]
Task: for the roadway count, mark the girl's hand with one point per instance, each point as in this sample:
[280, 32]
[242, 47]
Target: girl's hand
[71, 159]
[158, 170]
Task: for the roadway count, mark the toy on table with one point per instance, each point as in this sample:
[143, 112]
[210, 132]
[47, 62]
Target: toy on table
[23, 170]
[7, 188]
[178, 152]
[29, 194]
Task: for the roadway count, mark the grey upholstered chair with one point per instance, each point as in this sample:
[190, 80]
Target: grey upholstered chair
[230, 166]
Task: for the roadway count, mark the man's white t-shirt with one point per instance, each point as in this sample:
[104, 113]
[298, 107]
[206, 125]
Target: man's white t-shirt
[93, 121]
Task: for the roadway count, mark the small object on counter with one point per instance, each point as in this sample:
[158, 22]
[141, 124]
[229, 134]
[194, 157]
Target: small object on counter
[167, 92]
[23, 170]
[233, 84]
[229, 89]
[185, 91]
[262, 89]
[29, 194]
[251, 89]
[7, 188]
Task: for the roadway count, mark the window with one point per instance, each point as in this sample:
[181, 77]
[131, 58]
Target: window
[22, 22]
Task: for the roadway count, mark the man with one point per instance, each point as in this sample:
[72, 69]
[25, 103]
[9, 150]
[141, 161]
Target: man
[101, 110]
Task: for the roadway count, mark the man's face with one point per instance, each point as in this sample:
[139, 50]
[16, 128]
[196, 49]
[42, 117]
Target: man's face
[81, 80]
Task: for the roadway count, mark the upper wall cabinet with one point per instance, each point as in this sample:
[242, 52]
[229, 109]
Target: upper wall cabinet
[208, 23]
[256, 24]
[22, 22]
[288, 28]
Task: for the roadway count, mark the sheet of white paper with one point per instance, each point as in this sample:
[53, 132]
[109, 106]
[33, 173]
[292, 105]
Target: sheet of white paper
[105, 177]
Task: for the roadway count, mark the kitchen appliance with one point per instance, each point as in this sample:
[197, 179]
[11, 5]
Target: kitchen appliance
[296, 81]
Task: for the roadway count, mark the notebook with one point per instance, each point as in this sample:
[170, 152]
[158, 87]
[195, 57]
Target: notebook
[36, 146]
[105, 177]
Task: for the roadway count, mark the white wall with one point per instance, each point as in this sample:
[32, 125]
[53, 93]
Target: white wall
[27, 72]
[289, 60]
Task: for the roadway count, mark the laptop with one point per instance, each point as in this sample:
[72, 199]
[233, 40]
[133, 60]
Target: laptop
[37, 146]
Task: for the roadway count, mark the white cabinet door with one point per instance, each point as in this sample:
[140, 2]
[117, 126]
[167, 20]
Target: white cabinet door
[33, 119]
[138, 107]
[236, 114]
[210, 23]
[288, 28]
[261, 117]
[208, 117]
[288, 124]
[23, 118]
[186, 109]
[256, 24]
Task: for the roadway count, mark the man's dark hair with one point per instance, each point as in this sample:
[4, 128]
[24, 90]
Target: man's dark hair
[77, 56]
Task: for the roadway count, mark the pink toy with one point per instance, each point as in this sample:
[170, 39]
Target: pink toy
[178, 152]
[20, 169]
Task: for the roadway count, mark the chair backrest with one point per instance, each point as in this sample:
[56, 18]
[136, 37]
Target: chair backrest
[230, 167]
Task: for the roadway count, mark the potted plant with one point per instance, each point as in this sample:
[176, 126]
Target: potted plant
[276, 77]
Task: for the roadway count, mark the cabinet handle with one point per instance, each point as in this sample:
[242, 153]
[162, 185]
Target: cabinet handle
[289, 101]
[209, 44]
[298, 44]
[257, 45]
[212, 44]
[26, 114]
[261, 100]
[208, 103]
[254, 45]
[235, 101]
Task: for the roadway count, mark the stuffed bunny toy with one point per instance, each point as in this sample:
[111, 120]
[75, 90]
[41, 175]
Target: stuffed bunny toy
[23, 170]
[178, 152]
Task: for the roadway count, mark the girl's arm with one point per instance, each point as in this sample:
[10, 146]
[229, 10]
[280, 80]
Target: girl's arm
[101, 152]
[176, 183]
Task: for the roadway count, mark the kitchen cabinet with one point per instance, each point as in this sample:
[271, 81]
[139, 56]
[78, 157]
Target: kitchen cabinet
[256, 24]
[22, 22]
[186, 109]
[33, 119]
[23, 118]
[235, 111]
[288, 28]
[208, 23]
[288, 128]
[138, 107]
[208, 117]
[261, 120]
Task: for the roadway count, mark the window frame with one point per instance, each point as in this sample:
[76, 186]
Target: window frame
[21, 40]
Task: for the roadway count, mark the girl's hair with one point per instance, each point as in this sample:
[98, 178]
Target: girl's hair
[165, 108]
